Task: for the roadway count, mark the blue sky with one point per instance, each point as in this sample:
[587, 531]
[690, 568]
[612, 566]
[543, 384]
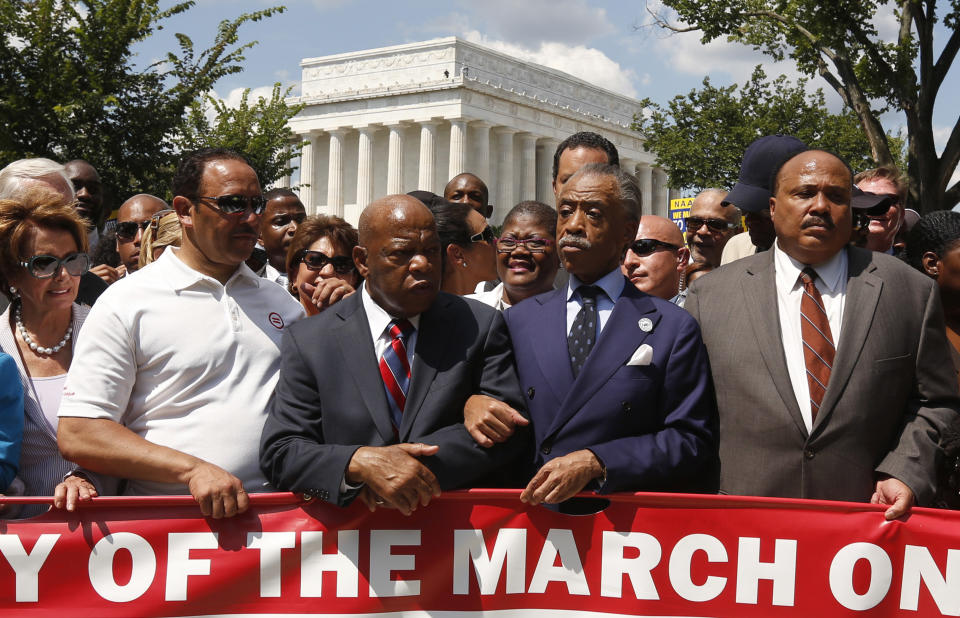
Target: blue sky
[607, 43]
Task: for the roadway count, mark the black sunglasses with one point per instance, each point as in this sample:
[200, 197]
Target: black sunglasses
[155, 220]
[46, 266]
[715, 225]
[127, 230]
[236, 204]
[646, 246]
[486, 234]
[316, 260]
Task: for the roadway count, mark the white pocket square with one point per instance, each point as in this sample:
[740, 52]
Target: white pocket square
[641, 356]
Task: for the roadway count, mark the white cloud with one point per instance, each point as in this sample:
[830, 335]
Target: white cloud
[941, 134]
[587, 63]
[533, 22]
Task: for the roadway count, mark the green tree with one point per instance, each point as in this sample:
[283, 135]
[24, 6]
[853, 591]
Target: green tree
[701, 137]
[838, 41]
[259, 131]
[70, 88]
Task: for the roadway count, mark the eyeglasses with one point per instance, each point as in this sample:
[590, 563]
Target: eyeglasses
[127, 230]
[534, 244]
[646, 246]
[486, 234]
[236, 204]
[715, 225]
[47, 266]
[155, 220]
[316, 260]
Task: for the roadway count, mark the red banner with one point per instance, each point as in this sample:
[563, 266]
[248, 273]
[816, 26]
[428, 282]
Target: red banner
[480, 551]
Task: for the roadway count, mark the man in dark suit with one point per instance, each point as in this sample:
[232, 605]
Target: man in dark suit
[831, 366]
[372, 391]
[617, 381]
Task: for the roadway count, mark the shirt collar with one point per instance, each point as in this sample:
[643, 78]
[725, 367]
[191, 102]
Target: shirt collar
[788, 269]
[182, 276]
[611, 283]
[377, 317]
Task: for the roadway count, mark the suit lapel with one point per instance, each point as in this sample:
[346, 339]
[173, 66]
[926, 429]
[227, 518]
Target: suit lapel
[353, 337]
[551, 350]
[760, 295]
[427, 357]
[863, 295]
[618, 340]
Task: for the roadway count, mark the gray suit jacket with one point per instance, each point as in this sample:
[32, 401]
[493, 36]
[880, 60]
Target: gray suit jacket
[330, 400]
[890, 396]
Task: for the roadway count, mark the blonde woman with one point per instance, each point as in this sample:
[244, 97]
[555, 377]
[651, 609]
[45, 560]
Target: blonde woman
[163, 232]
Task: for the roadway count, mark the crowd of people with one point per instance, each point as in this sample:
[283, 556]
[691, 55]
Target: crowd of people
[227, 343]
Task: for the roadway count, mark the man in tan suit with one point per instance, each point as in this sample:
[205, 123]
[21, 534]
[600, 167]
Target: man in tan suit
[830, 363]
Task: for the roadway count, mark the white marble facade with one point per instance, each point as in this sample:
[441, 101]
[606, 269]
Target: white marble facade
[412, 116]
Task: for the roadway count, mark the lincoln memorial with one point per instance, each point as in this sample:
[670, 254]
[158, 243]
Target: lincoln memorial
[412, 116]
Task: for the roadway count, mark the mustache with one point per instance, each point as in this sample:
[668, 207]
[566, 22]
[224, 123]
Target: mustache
[825, 221]
[569, 240]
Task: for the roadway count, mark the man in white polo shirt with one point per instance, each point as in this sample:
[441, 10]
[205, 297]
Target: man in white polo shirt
[170, 382]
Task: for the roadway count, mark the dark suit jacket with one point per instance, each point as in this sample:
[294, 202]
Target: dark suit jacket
[330, 399]
[654, 427]
[891, 392]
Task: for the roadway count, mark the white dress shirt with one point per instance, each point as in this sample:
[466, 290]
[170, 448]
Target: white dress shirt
[612, 285]
[831, 282]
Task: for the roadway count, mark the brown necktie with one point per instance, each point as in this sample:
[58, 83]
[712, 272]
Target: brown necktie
[818, 348]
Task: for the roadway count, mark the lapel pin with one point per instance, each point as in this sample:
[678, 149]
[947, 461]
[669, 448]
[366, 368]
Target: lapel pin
[645, 324]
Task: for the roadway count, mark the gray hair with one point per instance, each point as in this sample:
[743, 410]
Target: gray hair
[39, 167]
[629, 193]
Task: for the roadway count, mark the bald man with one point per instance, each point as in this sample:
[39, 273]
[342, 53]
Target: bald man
[132, 218]
[372, 392]
[710, 225]
[655, 261]
[469, 189]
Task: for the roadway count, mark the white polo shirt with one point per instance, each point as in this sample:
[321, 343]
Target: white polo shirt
[185, 362]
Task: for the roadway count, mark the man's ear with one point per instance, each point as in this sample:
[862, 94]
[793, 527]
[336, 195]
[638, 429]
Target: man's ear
[184, 209]
[360, 260]
[773, 205]
[488, 211]
[930, 263]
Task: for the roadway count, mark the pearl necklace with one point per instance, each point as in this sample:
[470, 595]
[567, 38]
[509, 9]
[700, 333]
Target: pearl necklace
[33, 345]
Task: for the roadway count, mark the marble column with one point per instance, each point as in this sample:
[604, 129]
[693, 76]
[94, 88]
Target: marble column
[528, 167]
[428, 156]
[645, 176]
[307, 175]
[395, 160]
[660, 196]
[545, 151]
[481, 135]
[458, 148]
[365, 167]
[505, 172]
[335, 174]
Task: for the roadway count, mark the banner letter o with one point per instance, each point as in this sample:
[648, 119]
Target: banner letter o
[101, 566]
[841, 576]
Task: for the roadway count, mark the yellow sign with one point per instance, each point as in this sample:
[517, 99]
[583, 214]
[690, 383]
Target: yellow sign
[679, 209]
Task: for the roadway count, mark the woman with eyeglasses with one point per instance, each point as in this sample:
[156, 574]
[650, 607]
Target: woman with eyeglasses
[43, 244]
[527, 260]
[467, 243]
[320, 264]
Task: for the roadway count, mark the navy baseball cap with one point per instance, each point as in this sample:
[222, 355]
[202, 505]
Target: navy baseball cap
[864, 200]
[752, 191]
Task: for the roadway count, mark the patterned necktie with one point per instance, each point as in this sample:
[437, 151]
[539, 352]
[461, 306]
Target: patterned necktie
[395, 368]
[583, 334]
[818, 348]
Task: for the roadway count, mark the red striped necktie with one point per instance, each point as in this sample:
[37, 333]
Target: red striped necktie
[818, 347]
[395, 368]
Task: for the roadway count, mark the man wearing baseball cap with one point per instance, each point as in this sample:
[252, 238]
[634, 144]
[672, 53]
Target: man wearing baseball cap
[751, 194]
